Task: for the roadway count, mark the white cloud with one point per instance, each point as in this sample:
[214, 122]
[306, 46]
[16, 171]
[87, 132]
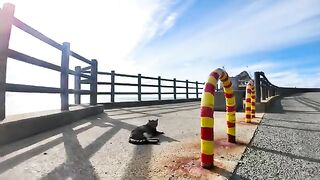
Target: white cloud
[105, 30]
[258, 27]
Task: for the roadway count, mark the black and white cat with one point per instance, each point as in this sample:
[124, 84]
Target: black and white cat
[145, 134]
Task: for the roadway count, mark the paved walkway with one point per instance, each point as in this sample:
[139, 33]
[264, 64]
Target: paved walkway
[98, 148]
[287, 143]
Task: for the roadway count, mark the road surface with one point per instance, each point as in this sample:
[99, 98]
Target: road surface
[286, 144]
[98, 148]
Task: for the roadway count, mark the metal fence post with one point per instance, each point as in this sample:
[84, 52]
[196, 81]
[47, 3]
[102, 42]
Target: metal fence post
[257, 86]
[77, 85]
[139, 87]
[112, 86]
[197, 89]
[264, 91]
[6, 18]
[94, 82]
[64, 76]
[174, 88]
[159, 88]
[187, 89]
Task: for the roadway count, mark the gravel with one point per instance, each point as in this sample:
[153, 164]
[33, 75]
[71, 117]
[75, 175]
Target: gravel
[286, 144]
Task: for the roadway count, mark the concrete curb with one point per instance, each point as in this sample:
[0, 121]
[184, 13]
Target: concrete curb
[13, 130]
[264, 105]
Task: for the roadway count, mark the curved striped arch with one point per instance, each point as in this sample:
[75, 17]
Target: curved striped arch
[250, 102]
[207, 112]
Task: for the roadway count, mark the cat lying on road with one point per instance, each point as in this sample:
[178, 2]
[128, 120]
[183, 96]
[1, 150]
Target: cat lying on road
[144, 134]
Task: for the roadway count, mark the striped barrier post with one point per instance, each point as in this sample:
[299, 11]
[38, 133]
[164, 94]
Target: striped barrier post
[253, 102]
[249, 95]
[207, 111]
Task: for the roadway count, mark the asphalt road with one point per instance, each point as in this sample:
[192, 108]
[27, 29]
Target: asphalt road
[286, 144]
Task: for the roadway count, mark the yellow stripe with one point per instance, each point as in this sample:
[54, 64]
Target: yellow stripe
[207, 147]
[207, 100]
[231, 131]
[247, 120]
[228, 90]
[224, 76]
[232, 113]
[231, 117]
[227, 82]
[212, 81]
[207, 122]
[231, 101]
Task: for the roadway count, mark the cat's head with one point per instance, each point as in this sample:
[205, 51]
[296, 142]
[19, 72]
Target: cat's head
[153, 123]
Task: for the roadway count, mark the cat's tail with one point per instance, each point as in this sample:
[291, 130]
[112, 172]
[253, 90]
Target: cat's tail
[144, 141]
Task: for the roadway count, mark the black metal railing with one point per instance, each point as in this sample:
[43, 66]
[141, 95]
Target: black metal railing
[265, 89]
[136, 81]
[8, 20]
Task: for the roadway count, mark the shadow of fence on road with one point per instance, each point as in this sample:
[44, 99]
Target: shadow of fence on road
[74, 151]
[154, 111]
[286, 154]
[291, 121]
[309, 103]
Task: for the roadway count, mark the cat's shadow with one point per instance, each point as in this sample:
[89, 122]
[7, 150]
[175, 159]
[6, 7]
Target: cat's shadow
[164, 138]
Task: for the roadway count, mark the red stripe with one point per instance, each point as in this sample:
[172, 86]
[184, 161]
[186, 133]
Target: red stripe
[230, 124]
[206, 112]
[207, 133]
[228, 85]
[253, 111]
[228, 95]
[248, 108]
[209, 88]
[248, 90]
[248, 116]
[248, 100]
[215, 75]
[231, 138]
[253, 103]
[253, 116]
[225, 76]
[207, 159]
[231, 108]
[253, 97]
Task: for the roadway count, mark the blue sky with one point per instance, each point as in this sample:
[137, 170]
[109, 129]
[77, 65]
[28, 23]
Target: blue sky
[186, 39]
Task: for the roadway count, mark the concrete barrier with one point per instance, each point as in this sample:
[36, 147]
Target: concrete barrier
[19, 127]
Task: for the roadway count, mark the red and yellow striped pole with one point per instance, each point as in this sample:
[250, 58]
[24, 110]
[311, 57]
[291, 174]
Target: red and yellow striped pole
[248, 102]
[207, 111]
[253, 103]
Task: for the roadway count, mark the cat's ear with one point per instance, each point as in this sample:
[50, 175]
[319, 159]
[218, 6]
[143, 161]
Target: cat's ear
[157, 120]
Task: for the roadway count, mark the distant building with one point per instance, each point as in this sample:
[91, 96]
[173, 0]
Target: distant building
[240, 81]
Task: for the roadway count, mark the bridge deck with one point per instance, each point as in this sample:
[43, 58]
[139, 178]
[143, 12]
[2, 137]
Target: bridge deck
[98, 147]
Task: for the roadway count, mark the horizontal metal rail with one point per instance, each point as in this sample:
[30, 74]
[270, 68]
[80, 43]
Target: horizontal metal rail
[79, 57]
[31, 60]
[30, 88]
[28, 29]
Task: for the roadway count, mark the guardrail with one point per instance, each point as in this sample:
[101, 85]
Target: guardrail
[8, 20]
[188, 86]
[265, 89]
